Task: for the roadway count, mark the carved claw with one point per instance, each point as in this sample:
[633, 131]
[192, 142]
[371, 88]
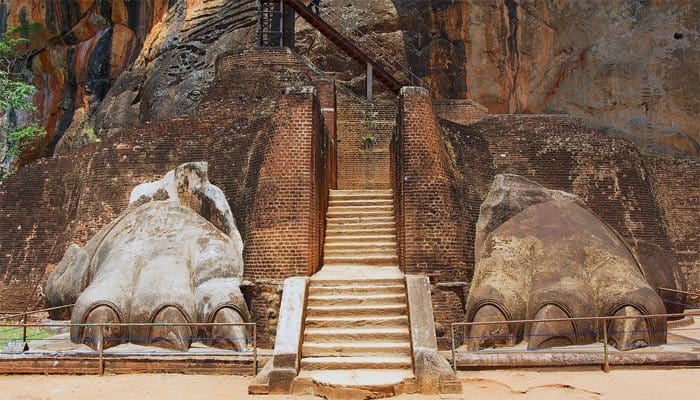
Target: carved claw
[628, 334]
[488, 336]
[228, 337]
[553, 333]
[176, 337]
[111, 336]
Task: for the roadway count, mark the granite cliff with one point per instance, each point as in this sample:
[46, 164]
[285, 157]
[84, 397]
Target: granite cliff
[628, 68]
[103, 64]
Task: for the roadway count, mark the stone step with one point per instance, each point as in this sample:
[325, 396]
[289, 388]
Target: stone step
[369, 245]
[368, 281]
[365, 202]
[368, 236]
[360, 219]
[346, 349]
[387, 260]
[347, 363]
[361, 209]
[359, 253]
[360, 194]
[364, 322]
[331, 224]
[356, 310]
[357, 384]
[353, 299]
[361, 288]
[332, 233]
[356, 334]
[359, 265]
[359, 214]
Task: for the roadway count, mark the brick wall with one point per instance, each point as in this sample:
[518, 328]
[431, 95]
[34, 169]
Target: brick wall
[265, 144]
[429, 202]
[676, 184]
[364, 132]
[431, 208]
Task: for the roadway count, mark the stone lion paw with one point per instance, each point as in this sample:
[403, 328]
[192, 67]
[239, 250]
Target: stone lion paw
[542, 255]
[161, 266]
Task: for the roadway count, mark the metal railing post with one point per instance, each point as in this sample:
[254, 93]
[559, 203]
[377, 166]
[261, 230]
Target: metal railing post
[100, 351]
[24, 328]
[452, 336]
[255, 349]
[25, 345]
[606, 365]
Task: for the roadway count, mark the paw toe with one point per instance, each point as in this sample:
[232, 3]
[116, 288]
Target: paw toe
[93, 334]
[546, 334]
[170, 334]
[492, 335]
[230, 337]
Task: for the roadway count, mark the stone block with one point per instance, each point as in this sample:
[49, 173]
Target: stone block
[433, 373]
[289, 328]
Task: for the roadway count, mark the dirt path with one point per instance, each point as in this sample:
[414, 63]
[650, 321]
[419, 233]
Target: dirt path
[677, 384]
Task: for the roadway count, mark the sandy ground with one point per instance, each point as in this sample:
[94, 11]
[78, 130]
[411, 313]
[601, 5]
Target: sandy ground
[676, 384]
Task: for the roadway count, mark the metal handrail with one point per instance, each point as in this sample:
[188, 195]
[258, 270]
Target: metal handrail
[680, 291]
[605, 319]
[368, 45]
[103, 326]
[26, 313]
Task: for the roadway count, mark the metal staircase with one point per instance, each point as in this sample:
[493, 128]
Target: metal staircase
[355, 43]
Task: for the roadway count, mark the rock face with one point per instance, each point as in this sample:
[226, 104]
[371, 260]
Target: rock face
[627, 67]
[105, 64]
[552, 258]
[159, 261]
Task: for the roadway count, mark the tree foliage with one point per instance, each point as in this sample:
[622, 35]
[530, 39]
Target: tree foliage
[15, 94]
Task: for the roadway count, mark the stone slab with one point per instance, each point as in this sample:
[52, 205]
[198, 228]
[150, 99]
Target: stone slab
[290, 326]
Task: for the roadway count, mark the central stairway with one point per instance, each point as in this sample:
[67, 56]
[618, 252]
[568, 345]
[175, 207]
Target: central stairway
[356, 335]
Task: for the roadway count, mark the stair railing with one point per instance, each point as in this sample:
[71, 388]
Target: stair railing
[371, 47]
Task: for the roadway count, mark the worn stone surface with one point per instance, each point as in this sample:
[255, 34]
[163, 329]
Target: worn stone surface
[661, 270]
[556, 259]
[278, 375]
[511, 194]
[159, 261]
[290, 326]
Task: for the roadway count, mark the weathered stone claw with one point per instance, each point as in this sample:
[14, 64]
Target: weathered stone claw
[489, 336]
[173, 257]
[551, 333]
[110, 336]
[176, 337]
[628, 334]
[228, 337]
[542, 255]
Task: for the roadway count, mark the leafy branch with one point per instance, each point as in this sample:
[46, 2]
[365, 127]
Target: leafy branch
[15, 95]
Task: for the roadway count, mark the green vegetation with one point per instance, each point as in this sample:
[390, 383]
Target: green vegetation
[10, 335]
[368, 140]
[15, 94]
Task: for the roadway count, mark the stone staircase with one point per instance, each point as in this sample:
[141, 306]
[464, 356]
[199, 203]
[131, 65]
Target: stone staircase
[356, 334]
